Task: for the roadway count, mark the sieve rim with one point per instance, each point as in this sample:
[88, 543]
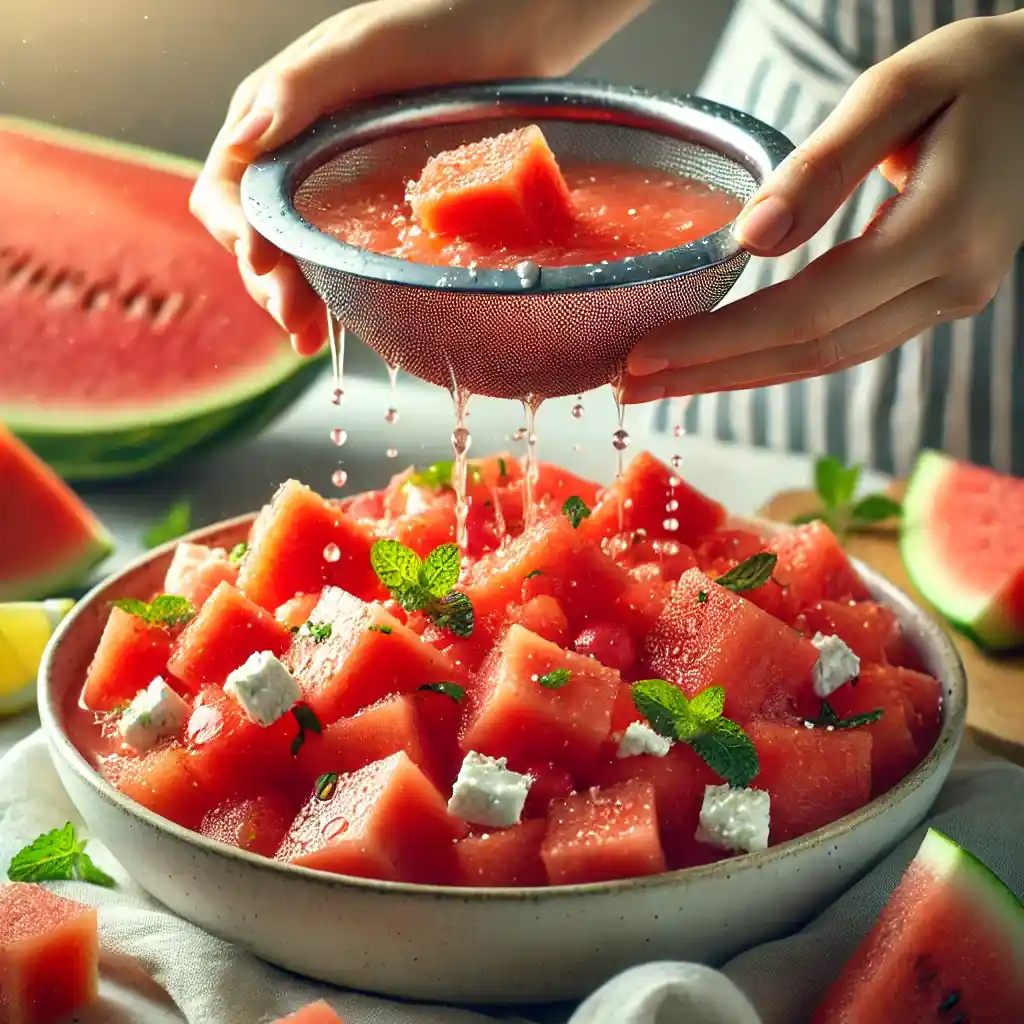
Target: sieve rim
[268, 185]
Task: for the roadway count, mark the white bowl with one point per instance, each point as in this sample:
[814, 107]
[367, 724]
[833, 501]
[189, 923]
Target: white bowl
[480, 945]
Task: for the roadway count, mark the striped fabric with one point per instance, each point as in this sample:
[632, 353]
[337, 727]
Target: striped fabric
[958, 387]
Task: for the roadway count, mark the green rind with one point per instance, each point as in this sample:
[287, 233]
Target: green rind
[71, 575]
[978, 616]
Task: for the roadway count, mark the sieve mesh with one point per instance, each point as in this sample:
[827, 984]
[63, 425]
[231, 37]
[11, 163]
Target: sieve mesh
[483, 329]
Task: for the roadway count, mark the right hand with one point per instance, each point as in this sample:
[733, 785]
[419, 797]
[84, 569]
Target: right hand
[372, 49]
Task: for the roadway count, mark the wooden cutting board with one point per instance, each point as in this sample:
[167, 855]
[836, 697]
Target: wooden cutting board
[995, 707]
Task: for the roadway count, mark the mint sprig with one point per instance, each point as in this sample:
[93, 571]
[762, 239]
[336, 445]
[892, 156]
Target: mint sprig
[555, 679]
[57, 856]
[836, 486]
[720, 742]
[177, 521]
[318, 632]
[750, 574]
[425, 585]
[167, 610]
[575, 509]
[828, 719]
[453, 690]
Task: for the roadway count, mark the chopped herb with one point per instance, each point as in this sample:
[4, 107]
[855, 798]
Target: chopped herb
[177, 521]
[318, 631]
[57, 856]
[555, 679]
[721, 743]
[536, 572]
[828, 719]
[438, 477]
[164, 610]
[326, 785]
[295, 629]
[751, 573]
[702, 597]
[237, 553]
[836, 486]
[307, 721]
[575, 510]
[454, 613]
[502, 469]
[453, 690]
[376, 628]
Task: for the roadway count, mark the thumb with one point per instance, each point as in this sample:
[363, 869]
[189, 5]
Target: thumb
[880, 114]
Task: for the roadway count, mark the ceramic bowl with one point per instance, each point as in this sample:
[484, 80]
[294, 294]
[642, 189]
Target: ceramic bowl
[482, 945]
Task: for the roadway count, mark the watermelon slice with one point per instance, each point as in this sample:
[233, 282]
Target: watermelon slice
[107, 276]
[49, 540]
[963, 547]
[948, 946]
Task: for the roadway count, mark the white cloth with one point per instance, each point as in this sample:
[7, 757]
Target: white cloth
[211, 982]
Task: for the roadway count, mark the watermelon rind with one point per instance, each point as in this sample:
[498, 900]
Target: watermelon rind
[68, 574]
[977, 614]
[100, 444]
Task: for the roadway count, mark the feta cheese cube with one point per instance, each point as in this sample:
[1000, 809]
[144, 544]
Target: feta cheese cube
[264, 688]
[734, 819]
[836, 665]
[156, 713]
[487, 793]
[640, 738]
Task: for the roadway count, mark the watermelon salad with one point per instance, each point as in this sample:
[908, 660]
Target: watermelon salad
[626, 684]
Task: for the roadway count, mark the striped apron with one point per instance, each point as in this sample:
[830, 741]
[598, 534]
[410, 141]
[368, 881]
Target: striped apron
[959, 387]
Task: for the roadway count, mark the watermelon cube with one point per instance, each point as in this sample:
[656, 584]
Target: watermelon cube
[369, 655]
[516, 714]
[708, 636]
[257, 824]
[649, 496]
[295, 612]
[387, 820]
[49, 955]
[161, 781]
[424, 531]
[316, 1013]
[544, 616]
[301, 543]
[609, 643]
[603, 834]
[228, 629]
[814, 776]
[500, 190]
[196, 570]
[813, 566]
[921, 696]
[870, 630]
[554, 484]
[131, 653]
[504, 859]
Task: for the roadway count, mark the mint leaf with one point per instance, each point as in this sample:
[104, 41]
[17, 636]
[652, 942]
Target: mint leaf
[702, 597]
[575, 510]
[325, 786]
[133, 606]
[751, 573]
[177, 521]
[555, 679]
[728, 751]
[665, 707]
[835, 483]
[876, 508]
[307, 721]
[56, 856]
[376, 628]
[438, 477]
[395, 565]
[453, 690]
[536, 572]
[502, 469]
[828, 719]
[454, 613]
[164, 610]
[440, 572]
[87, 871]
[708, 705]
[319, 631]
[237, 553]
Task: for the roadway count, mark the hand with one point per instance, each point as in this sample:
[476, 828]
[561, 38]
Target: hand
[941, 119]
[375, 48]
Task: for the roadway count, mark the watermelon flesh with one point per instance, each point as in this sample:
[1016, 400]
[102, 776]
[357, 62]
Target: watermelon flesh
[159, 344]
[49, 955]
[316, 1013]
[49, 540]
[948, 946]
[962, 543]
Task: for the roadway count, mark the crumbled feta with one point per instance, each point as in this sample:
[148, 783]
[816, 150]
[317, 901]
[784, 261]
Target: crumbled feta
[640, 738]
[264, 688]
[487, 793]
[836, 665]
[156, 713]
[734, 819]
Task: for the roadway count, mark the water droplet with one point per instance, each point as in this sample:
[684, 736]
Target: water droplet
[677, 461]
[678, 430]
[529, 273]
[674, 481]
[671, 525]
[392, 453]
[339, 436]
[339, 478]
[620, 440]
[337, 396]
[519, 434]
[332, 553]
[577, 411]
[577, 447]
[672, 506]
[461, 440]
[391, 416]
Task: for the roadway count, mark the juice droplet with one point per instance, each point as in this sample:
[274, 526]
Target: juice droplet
[678, 430]
[332, 553]
[339, 478]
[677, 461]
[392, 453]
[671, 525]
[674, 481]
[338, 436]
[620, 440]
[530, 406]
[672, 506]
[336, 339]
[519, 434]
[461, 443]
[528, 273]
[337, 395]
[391, 416]
[577, 411]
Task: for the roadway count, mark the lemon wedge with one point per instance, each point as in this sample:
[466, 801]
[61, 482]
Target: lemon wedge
[25, 630]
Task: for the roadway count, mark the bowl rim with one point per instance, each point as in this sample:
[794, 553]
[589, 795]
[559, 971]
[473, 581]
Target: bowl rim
[954, 714]
[269, 184]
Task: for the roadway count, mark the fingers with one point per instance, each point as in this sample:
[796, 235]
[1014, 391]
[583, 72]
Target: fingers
[286, 296]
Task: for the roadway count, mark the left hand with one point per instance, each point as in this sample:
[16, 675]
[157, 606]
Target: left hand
[942, 120]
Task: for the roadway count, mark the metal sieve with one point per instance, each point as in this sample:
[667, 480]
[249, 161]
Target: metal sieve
[499, 332]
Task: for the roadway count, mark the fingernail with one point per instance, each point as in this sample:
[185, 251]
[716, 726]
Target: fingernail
[641, 365]
[251, 127]
[765, 224]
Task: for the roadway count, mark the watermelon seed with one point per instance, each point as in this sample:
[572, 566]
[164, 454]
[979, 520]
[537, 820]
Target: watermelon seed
[949, 1002]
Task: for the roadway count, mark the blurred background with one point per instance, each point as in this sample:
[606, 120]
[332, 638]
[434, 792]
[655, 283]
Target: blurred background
[160, 72]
